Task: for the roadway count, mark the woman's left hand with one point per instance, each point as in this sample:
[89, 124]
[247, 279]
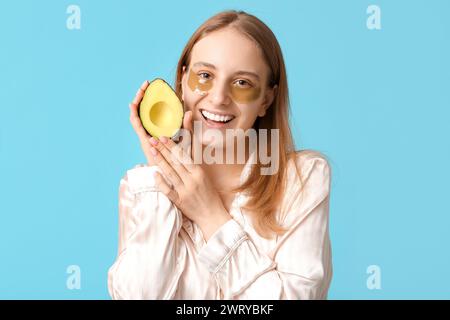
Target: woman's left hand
[192, 191]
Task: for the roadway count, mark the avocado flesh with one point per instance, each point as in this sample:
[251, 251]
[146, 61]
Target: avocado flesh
[160, 111]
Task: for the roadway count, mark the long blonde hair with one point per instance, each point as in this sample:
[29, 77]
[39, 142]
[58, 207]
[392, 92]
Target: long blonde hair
[265, 192]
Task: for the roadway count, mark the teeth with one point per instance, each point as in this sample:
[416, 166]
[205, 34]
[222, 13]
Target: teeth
[216, 117]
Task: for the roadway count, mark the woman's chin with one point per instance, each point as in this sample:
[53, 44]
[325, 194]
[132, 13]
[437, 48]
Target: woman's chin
[212, 140]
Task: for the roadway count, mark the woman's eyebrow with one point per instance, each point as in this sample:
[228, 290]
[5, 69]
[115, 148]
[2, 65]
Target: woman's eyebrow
[209, 65]
[248, 73]
[204, 64]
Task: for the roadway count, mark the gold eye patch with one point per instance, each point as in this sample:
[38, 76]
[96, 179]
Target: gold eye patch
[244, 95]
[198, 84]
[201, 86]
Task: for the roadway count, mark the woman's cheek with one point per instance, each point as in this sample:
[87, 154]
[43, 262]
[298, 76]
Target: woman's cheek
[247, 117]
[189, 103]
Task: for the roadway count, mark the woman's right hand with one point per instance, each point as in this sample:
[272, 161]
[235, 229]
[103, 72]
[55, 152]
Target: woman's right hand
[144, 137]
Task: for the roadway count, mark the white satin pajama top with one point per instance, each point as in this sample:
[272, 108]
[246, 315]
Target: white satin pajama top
[162, 254]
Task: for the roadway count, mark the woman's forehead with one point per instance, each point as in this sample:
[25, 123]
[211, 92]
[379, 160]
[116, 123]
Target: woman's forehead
[228, 50]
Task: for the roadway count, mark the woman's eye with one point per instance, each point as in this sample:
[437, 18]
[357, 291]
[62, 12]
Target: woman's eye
[242, 83]
[204, 75]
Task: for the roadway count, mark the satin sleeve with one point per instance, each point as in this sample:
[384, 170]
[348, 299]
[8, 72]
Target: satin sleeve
[298, 267]
[151, 255]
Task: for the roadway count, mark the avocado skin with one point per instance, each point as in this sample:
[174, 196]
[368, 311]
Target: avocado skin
[161, 111]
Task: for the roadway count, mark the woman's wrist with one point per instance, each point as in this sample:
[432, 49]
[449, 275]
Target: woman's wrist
[212, 222]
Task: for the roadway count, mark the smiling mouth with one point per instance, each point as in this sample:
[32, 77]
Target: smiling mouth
[214, 118]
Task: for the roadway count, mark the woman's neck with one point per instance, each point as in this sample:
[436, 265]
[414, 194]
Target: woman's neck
[226, 176]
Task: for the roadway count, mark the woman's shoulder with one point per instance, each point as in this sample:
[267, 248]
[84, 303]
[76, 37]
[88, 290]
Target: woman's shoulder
[309, 168]
[308, 183]
[131, 171]
[308, 154]
[139, 177]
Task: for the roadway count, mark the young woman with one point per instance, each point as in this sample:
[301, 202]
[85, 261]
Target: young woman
[205, 230]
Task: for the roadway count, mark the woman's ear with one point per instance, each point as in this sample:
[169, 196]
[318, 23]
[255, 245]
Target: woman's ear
[268, 99]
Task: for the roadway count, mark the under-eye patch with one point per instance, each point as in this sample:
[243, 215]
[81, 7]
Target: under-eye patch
[239, 94]
[244, 94]
[198, 84]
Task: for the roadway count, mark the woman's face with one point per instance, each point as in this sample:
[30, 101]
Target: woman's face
[225, 85]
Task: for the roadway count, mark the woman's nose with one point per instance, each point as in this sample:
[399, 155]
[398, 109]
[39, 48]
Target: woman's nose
[219, 94]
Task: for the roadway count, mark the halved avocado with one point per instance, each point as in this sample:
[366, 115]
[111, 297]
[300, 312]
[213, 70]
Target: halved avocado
[161, 111]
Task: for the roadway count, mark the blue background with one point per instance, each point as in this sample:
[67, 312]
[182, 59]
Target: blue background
[376, 102]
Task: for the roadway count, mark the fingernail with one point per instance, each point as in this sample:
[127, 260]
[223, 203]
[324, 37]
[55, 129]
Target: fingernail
[153, 151]
[163, 139]
[135, 101]
[153, 141]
